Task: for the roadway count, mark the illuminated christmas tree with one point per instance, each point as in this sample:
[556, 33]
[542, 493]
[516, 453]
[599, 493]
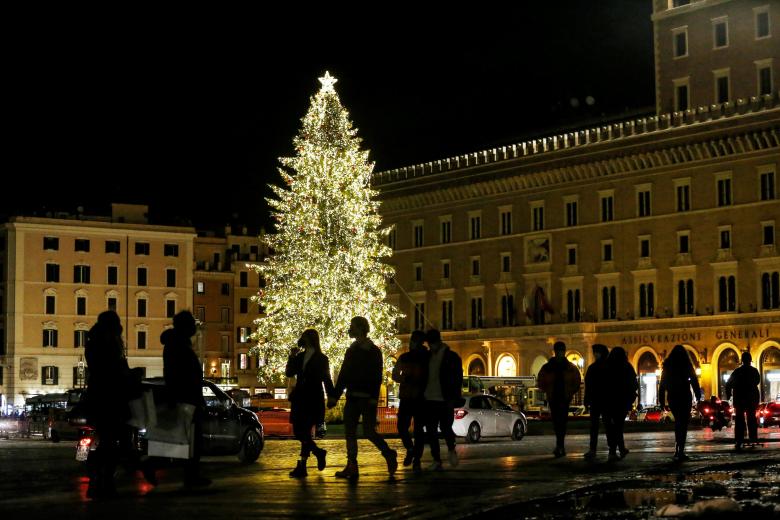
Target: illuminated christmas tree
[328, 248]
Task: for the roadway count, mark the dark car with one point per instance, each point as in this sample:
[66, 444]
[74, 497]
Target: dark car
[768, 414]
[228, 429]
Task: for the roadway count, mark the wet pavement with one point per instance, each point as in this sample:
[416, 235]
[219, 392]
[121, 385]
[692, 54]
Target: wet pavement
[496, 479]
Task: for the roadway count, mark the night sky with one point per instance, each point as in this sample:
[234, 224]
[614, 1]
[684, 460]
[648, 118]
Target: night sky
[189, 111]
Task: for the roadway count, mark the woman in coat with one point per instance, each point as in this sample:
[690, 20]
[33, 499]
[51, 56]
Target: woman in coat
[311, 369]
[677, 379]
[619, 399]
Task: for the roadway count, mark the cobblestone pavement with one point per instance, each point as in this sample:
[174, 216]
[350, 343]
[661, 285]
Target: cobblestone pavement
[500, 478]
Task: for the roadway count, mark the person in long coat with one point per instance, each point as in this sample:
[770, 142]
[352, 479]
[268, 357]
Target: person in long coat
[677, 380]
[311, 370]
[411, 371]
[560, 380]
[623, 387]
[595, 389]
[744, 383]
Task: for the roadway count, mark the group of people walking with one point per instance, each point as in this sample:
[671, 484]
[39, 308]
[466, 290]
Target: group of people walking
[430, 375]
[430, 387]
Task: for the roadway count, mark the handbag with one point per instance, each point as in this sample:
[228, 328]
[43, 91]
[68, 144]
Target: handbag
[143, 413]
[173, 435]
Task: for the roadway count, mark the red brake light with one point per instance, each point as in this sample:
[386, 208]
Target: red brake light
[706, 410]
[86, 441]
[460, 413]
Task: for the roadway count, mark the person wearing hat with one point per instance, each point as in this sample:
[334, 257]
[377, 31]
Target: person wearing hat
[743, 383]
[560, 380]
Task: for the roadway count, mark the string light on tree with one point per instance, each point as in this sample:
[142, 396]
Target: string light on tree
[329, 247]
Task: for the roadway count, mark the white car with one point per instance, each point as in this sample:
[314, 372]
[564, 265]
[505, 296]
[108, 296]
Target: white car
[486, 416]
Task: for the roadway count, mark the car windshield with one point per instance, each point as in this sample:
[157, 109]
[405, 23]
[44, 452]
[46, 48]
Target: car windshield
[214, 399]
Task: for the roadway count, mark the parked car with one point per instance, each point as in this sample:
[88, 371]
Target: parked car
[768, 414]
[655, 414]
[228, 429]
[487, 416]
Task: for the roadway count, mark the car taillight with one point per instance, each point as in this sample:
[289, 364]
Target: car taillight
[460, 413]
[706, 410]
[86, 441]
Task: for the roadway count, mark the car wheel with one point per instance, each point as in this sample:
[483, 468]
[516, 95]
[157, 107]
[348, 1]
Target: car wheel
[251, 446]
[474, 433]
[518, 431]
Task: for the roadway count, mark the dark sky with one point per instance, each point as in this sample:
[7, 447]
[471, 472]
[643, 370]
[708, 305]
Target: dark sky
[188, 111]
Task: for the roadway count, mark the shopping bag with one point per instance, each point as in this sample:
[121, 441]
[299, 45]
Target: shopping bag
[143, 413]
[173, 435]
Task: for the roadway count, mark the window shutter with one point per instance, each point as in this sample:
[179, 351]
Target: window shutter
[55, 374]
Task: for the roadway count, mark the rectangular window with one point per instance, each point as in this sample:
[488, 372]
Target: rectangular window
[644, 248]
[506, 263]
[507, 310]
[681, 97]
[767, 180]
[51, 304]
[82, 245]
[243, 361]
[607, 208]
[724, 191]
[764, 81]
[680, 42]
[170, 277]
[113, 246]
[768, 234]
[721, 87]
[112, 304]
[476, 313]
[606, 252]
[643, 202]
[762, 22]
[609, 302]
[475, 222]
[446, 315]
[418, 273]
[446, 231]
[646, 300]
[141, 340]
[418, 234]
[50, 375]
[571, 255]
[225, 289]
[419, 316]
[112, 275]
[243, 305]
[171, 250]
[52, 272]
[81, 306]
[685, 297]
[200, 288]
[225, 314]
[683, 194]
[727, 294]
[475, 267]
[200, 313]
[141, 276]
[445, 270]
[141, 307]
[142, 248]
[243, 279]
[571, 213]
[683, 241]
[80, 274]
[725, 239]
[720, 33]
[537, 223]
[49, 337]
[51, 243]
[170, 308]
[243, 334]
[506, 222]
[391, 238]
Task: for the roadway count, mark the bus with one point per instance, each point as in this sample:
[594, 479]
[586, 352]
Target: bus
[517, 392]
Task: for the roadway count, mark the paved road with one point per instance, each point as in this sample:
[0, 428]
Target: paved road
[39, 479]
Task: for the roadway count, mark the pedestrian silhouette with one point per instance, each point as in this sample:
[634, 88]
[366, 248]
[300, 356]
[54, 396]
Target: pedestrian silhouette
[743, 383]
[620, 397]
[361, 376]
[677, 379]
[560, 380]
[411, 371]
[311, 370]
[110, 387]
[595, 389]
[442, 394]
[184, 384]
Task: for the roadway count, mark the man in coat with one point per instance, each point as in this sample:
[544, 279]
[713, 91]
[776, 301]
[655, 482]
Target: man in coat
[560, 380]
[743, 383]
[411, 371]
[595, 389]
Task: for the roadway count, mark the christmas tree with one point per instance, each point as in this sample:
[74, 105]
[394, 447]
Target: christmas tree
[328, 249]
